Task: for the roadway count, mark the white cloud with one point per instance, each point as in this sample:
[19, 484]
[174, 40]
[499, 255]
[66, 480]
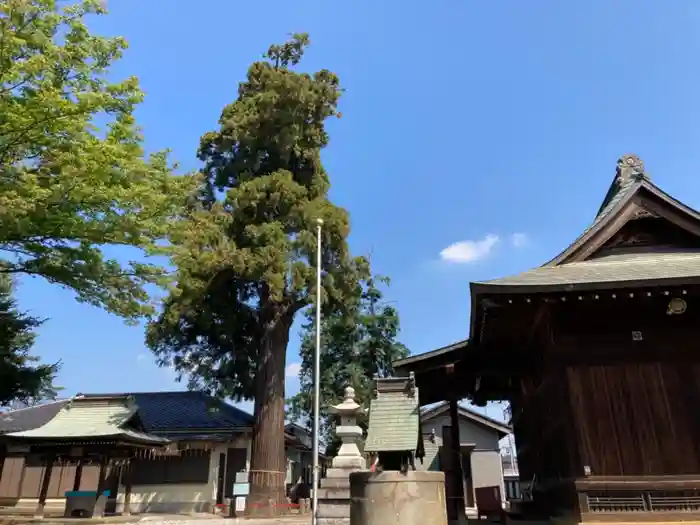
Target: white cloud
[518, 240]
[141, 357]
[469, 251]
[292, 370]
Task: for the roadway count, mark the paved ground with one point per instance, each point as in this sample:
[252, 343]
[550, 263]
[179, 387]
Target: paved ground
[157, 520]
[217, 520]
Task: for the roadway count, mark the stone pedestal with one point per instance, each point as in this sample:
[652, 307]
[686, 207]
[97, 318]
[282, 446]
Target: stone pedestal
[396, 498]
[334, 492]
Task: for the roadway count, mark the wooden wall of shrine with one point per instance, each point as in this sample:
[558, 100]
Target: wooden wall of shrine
[616, 391]
[21, 477]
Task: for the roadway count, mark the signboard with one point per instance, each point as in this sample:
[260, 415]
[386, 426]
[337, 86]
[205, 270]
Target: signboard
[241, 489]
[242, 477]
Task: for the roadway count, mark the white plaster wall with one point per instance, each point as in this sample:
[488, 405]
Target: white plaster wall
[487, 470]
[485, 457]
[179, 498]
[470, 433]
[187, 498]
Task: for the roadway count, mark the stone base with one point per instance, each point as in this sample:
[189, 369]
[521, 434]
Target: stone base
[349, 462]
[334, 509]
[396, 498]
[340, 473]
[334, 497]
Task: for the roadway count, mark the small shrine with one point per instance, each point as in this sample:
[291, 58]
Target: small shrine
[395, 493]
[394, 424]
[334, 492]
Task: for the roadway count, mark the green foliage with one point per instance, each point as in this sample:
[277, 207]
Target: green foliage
[357, 345]
[248, 258]
[21, 377]
[245, 254]
[73, 173]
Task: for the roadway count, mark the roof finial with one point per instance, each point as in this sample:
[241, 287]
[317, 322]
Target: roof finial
[630, 166]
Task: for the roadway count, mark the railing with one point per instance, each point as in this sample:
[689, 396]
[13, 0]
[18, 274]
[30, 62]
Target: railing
[616, 503]
[673, 501]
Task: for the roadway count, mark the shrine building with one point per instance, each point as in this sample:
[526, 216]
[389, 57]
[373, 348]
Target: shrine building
[598, 356]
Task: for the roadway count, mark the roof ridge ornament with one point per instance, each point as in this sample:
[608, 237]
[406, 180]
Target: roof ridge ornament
[629, 166]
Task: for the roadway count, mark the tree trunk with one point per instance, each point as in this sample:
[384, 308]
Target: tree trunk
[268, 463]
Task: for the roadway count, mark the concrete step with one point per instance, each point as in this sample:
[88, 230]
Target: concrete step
[334, 494]
[337, 483]
[335, 509]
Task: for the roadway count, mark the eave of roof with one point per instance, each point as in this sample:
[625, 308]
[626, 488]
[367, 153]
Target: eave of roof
[480, 419]
[30, 417]
[628, 270]
[630, 180]
[412, 362]
[83, 419]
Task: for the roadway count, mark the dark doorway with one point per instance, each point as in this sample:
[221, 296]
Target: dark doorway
[220, 479]
[235, 462]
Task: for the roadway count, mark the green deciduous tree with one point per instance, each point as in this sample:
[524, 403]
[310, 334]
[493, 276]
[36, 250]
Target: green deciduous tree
[22, 378]
[357, 344]
[246, 254]
[73, 173]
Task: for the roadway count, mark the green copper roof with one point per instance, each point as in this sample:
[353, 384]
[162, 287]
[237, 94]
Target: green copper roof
[633, 268]
[85, 418]
[394, 416]
[638, 266]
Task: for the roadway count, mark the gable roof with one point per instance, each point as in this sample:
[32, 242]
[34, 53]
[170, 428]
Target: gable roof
[30, 417]
[630, 195]
[502, 429]
[164, 413]
[84, 418]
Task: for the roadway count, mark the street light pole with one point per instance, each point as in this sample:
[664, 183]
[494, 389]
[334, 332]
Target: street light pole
[317, 378]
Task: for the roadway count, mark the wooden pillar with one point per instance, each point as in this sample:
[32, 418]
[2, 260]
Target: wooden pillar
[458, 496]
[78, 475]
[104, 459]
[3, 455]
[456, 452]
[126, 480]
[45, 480]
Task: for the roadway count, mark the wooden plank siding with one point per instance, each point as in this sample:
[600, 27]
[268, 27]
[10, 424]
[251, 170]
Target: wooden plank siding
[632, 404]
[636, 419]
[21, 478]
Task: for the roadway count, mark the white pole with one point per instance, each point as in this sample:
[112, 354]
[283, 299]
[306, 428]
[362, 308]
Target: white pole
[317, 378]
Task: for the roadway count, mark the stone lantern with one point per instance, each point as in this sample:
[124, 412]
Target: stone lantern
[349, 432]
[334, 492]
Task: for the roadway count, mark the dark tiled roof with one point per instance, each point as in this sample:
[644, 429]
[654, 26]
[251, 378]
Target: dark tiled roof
[161, 412]
[29, 418]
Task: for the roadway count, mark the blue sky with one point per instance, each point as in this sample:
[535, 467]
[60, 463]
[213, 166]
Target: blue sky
[495, 124]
